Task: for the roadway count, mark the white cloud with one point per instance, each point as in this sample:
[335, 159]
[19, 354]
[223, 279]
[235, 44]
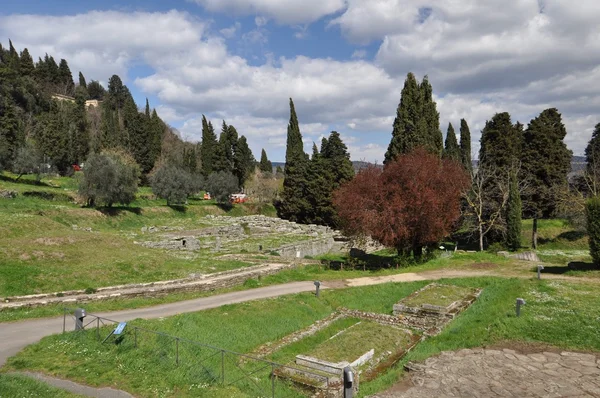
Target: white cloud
[482, 58]
[231, 31]
[359, 54]
[282, 11]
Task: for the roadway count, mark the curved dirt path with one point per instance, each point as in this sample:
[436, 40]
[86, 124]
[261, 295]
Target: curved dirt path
[77, 388]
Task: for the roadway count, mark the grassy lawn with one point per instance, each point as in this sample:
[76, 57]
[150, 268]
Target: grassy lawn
[24, 387]
[439, 295]
[557, 313]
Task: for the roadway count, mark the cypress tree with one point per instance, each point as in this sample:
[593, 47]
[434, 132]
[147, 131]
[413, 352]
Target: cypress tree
[26, 63]
[513, 215]
[13, 57]
[465, 145]
[501, 143]
[592, 155]
[82, 82]
[65, 78]
[545, 163]
[265, 164]
[593, 228]
[432, 138]
[244, 161]
[208, 148]
[404, 134]
[81, 135]
[452, 151]
[294, 204]
[11, 135]
[147, 110]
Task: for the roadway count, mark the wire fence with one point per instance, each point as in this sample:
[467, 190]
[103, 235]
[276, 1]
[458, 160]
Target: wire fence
[189, 363]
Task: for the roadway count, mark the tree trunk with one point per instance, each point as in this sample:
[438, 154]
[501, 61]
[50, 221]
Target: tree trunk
[480, 238]
[534, 234]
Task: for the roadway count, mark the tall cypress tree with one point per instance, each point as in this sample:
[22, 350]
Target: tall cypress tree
[592, 154]
[294, 205]
[208, 148]
[513, 215]
[431, 138]
[545, 163]
[465, 145]
[452, 151]
[244, 161]
[404, 134]
[65, 78]
[265, 164]
[501, 143]
[82, 82]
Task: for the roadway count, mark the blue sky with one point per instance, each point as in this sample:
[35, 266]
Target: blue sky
[342, 61]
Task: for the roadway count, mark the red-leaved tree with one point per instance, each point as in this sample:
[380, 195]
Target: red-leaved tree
[411, 203]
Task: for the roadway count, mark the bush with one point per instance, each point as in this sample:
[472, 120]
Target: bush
[221, 185]
[109, 177]
[172, 184]
[593, 228]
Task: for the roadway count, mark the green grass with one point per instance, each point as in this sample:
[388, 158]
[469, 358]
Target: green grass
[439, 295]
[557, 313]
[355, 341]
[12, 385]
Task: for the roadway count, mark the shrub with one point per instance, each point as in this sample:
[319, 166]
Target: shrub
[109, 177]
[593, 228]
[221, 185]
[173, 184]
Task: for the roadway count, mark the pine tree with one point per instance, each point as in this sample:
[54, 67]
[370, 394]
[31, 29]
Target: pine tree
[592, 157]
[208, 148]
[465, 145]
[513, 215]
[80, 132]
[545, 163]
[13, 57]
[294, 204]
[27, 67]
[404, 134]
[11, 133]
[265, 164]
[452, 151]
[147, 110]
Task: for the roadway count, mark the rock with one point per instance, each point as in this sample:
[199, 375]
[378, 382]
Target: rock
[8, 194]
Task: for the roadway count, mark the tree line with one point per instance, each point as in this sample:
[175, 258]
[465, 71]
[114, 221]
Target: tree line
[39, 129]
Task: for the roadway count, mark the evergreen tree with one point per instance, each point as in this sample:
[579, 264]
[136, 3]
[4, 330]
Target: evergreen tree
[13, 57]
[432, 138]
[95, 90]
[244, 162]
[265, 164]
[501, 143]
[417, 121]
[593, 228]
[294, 204]
[79, 128]
[82, 82]
[65, 78]
[404, 134]
[27, 67]
[11, 133]
[465, 145]
[147, 110]
[224, 154]
[545, 163]
[208, 148]
[452, 150]
[592, 154]
[513, 215]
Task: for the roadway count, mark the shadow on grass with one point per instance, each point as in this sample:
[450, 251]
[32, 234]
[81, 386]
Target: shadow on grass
[47, 195]
[225, 206]
[25, 181]
[115, 211]
[570, 236]
[178, 208]
[572, 266]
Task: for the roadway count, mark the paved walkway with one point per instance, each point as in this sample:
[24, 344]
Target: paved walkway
[502, 373]
[77, 388]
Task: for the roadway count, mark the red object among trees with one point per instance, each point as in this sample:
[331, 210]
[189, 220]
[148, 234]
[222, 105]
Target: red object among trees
[76, 167]
[411, 203]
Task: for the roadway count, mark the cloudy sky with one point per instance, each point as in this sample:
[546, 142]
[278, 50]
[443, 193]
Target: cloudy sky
[342, 61]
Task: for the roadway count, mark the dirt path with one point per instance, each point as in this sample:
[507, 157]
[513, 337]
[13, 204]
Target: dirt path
[77, 388]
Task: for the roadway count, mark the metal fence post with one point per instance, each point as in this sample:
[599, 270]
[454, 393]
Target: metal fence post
[98, 328]
[222, 367]
[64, 319]
[273, 380]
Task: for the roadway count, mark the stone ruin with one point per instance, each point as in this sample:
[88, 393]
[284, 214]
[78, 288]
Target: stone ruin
[325, 379]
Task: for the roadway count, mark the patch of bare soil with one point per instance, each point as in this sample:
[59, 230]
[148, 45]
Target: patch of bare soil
[55, 241]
